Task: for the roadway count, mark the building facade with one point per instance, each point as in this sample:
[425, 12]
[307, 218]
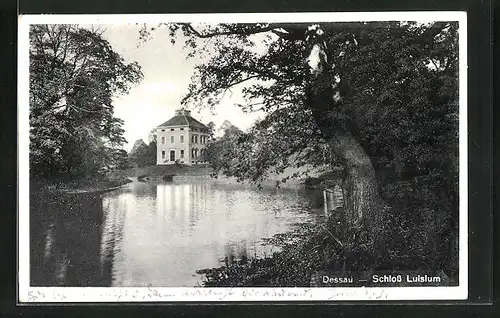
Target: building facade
[181, 139]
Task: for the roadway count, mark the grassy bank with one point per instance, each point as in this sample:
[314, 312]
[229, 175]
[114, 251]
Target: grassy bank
[161, 170]
[320, 177]
[114, 179]
[95, 184]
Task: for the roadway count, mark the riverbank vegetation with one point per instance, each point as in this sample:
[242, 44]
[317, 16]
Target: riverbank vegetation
[379, 99]
[99, 183]
[75, 140]
[330, 247]
[161, 170]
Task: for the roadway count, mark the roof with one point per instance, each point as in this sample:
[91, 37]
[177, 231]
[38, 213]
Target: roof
[183, 120]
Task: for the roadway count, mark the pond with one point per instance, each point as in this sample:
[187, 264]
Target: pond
[159, 234]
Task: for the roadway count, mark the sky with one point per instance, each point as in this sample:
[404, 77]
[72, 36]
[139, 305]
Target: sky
[167, 75]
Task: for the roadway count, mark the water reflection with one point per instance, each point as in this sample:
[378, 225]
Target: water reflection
[65, 240]
[235, 253]
[333, 199]
[150, 234]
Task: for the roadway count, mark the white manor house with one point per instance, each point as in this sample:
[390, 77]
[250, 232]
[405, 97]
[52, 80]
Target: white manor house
[181, 139]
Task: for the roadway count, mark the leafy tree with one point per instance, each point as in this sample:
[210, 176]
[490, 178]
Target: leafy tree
[211, 129]
[152, 135]
[379, 98]
[74, 73]
[143, 155]
[120, 159]
[221, 152]
[152, 152]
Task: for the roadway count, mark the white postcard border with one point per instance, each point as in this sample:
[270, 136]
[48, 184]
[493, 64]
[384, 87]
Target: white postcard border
[28, 294]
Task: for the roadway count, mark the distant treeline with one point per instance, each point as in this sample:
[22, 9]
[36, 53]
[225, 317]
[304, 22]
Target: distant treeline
[143, 155]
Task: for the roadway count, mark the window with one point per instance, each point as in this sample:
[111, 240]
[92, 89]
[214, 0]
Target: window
[182, 153]
[172, 140]
[182, 128]
[163, 154]
[162, 140]
[182, 138]
[192, 139]
[172, 129]
[195, 139]
[163, 130]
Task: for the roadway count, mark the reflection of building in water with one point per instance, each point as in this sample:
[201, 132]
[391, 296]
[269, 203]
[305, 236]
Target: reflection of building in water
[181, 204]
[333, 199]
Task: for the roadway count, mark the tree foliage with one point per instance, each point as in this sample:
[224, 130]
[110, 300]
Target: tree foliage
[143, 155]
[399, 88]
[399, 85]
[74, 74]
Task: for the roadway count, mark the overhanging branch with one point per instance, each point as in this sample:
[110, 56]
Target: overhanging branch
[231, 32]
[285, 33]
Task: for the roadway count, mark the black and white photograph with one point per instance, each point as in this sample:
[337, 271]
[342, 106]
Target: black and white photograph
[243, 157]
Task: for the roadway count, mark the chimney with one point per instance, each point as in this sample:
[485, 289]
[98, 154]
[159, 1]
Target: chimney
[182, 112]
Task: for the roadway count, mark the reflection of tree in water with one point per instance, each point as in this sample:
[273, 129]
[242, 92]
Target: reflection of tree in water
[318, 201]
[328, 200]
[65, 240]
[242, 251]
[315, 198]
[235, 253]
[112, 232]
[333, 199]
[143, 189]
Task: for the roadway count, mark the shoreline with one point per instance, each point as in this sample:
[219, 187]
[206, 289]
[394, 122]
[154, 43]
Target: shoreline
[90, 187]
[117, 179]
[92, 190]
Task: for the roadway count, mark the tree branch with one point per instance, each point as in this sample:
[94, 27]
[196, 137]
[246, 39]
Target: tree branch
[199, 34]
[241, 81]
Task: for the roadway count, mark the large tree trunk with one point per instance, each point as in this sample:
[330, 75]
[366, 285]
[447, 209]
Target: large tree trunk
[364, 206]
[362, 202]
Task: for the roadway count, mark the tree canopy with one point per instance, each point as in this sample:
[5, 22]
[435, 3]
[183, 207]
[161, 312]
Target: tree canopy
[74, 74]
[395, 111]
[399, 85]
[143, 155]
